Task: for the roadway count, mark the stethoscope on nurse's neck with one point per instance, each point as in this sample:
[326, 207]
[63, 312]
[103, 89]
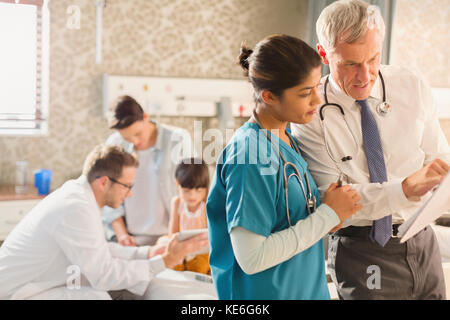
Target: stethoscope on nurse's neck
[311, 201]
[382, 109]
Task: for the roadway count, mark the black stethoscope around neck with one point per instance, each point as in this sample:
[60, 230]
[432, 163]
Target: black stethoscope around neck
[310, 199]
[382, 109]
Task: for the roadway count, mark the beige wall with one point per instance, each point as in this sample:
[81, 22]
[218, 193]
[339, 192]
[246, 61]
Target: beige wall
[421, 41]
[195, 38]
[176, 38]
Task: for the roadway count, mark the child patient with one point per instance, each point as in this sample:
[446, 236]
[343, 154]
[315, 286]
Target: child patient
[188, 209]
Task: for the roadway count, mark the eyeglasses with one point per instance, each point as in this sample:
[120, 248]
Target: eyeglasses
[129, 187]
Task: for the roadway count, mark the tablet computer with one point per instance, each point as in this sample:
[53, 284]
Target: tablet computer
[186, 234]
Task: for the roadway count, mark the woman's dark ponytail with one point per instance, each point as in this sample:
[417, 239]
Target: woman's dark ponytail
[277, 63]
[244, 55]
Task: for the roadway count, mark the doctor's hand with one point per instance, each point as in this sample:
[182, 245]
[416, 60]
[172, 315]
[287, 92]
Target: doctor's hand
[177, 250]
[126, 240]
[157, 249]
[343, 200]
[422, 181]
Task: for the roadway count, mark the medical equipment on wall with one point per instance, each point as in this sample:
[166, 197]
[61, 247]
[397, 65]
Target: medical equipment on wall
[382, 109]
[311, 201]
[181, 97]
[225, 114]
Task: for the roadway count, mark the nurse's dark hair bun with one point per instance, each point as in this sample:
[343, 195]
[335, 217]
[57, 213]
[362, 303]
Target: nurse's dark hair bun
[278, 62]
[244, 54]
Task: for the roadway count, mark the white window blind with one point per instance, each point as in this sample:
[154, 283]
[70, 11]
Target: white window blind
[23, 67]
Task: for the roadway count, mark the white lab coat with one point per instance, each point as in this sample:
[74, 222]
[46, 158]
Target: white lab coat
[410, 135]
[63, 236]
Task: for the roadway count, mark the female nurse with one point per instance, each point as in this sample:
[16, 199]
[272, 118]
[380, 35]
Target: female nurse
[265, 242]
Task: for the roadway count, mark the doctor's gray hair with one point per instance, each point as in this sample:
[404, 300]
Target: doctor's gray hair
[109, 161]
[347, 21]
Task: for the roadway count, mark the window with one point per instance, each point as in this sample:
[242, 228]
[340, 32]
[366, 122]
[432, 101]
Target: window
[23, 67]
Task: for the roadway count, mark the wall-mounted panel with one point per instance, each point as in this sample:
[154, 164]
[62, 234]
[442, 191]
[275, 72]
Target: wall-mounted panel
[179, 96]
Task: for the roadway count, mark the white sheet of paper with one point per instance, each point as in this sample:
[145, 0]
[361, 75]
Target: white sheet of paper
[433, 208]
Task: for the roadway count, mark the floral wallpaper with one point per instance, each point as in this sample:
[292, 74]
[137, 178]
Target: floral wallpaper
[181, 38]
[421, 41]
[174, 38]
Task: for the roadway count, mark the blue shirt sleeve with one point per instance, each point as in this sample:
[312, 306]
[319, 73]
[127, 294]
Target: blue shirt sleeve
[251, 193]
[110, 214]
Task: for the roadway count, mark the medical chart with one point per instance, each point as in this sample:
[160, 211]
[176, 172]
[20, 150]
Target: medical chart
[433, 208]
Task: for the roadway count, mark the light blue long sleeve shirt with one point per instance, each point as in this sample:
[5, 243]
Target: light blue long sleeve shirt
[147, 210]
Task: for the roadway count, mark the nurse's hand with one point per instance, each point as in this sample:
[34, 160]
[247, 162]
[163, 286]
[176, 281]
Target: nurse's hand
[178, 250]
[343, 200]
[337, 227]
[425, 179]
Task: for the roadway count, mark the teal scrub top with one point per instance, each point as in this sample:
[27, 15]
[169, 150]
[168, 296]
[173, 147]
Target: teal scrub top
[247, 191]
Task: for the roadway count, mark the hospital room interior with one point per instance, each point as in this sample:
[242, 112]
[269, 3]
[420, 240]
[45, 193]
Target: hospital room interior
[66, 63]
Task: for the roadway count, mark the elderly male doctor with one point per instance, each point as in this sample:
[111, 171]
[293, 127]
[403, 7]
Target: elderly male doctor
[392, 155]
[62, 238]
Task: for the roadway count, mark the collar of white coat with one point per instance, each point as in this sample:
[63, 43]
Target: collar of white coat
[376, 93]
[84, 183]
[159, 136]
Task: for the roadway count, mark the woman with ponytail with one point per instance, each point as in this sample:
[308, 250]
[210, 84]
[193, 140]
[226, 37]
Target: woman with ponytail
[259, 249]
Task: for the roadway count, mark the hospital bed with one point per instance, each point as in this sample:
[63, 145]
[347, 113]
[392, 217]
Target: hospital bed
[186, 285]
[180, 285]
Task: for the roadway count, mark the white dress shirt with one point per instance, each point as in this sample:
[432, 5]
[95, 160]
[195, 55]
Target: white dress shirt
[147, 210]
[63, 233]
[410, 135]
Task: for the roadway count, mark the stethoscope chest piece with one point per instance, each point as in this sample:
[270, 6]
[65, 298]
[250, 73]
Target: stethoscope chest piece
[383, 109]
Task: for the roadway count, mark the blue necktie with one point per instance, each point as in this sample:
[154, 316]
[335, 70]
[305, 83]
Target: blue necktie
[382, 228]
